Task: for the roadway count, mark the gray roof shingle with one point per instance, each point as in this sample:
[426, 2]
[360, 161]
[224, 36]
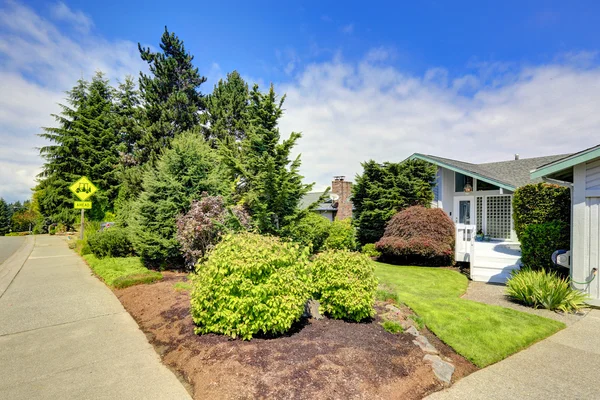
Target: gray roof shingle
[310, 198]
[514, 173]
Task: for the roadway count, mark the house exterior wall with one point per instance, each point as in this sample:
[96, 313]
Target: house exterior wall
[585, 234]
[448, 193]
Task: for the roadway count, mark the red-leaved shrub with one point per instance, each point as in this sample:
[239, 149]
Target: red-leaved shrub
[418, 236]
[202, 227]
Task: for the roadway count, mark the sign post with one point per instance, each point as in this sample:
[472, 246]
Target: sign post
[83, 189]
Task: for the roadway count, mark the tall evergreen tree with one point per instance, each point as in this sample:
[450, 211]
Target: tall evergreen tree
[227, 111]
[99, 145]
[83, 143]
[182, 173]
[268, 181]
[4, 218]
[62, 159]
[384, 189]
[171, 95]
[128, 118]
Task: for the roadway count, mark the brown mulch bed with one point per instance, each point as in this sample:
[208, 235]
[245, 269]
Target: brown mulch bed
[325, 359]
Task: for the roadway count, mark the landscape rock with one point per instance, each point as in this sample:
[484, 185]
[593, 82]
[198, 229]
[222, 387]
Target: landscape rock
[443, 370]
[424, 344]
[413, 331]
[393, 308]
[311, 309]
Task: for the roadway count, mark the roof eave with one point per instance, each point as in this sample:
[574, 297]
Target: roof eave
[462, 171]
[567, 162]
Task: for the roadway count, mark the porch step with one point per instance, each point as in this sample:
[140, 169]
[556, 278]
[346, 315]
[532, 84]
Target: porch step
[497, 272]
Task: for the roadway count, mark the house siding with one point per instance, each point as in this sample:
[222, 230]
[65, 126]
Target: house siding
[585, 234]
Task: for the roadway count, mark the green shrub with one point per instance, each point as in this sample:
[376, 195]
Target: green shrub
[342, 236]
[111, 242]
[392, 327]
[542, 289]
[17, 234]
[312, 231]
[539, 241]
[345, 284]
[370, 250]
[540, 203]
[52, 230]
[250, 284]
[184, 171]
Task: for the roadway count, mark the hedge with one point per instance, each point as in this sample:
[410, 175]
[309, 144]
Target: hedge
[540, 203]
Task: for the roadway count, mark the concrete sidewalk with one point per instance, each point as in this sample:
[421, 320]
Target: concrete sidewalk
[563, 366]
[64, 335]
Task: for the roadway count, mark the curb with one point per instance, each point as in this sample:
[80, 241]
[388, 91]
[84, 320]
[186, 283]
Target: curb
[11, 267]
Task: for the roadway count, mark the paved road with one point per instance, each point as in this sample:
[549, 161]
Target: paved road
[563, 366]
[64, 335]
[8, 245]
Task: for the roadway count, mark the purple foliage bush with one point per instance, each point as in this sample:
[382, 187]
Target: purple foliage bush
[418, 236]
[202, 227]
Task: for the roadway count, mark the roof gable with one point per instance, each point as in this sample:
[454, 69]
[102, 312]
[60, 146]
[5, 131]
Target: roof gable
[565, 162]
[505, 174]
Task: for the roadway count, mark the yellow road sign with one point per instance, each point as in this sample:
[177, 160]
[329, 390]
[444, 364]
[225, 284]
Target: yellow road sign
[83, 188]
[83, 204]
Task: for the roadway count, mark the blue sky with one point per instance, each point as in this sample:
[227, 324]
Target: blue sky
[477, 81]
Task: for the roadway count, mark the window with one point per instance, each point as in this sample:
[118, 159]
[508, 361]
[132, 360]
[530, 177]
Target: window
[437, 189]
[481, 185]
[498, 216]
[479, 213]
[460, 181]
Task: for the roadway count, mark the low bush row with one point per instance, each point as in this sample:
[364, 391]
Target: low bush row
[318, 233]
[252, 284]
[112, 242]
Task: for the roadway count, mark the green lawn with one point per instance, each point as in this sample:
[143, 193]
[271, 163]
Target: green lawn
[121, 272]
[482, 333]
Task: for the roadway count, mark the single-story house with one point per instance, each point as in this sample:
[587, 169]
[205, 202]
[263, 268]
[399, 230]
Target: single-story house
[338, 205]
[478, 198]
[581, 172]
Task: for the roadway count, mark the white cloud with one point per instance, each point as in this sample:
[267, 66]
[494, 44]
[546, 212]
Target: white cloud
[78, 19]
[39, 62]
[349, 113]
[347, 29]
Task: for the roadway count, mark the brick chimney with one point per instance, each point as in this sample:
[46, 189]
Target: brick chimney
[343, 189]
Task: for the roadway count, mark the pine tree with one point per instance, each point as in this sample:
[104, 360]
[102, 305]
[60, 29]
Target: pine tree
[99, 145]
[227, 111]
[127, 120]
[384, 189]
[62, 159]
[4, 218]
[83, 144]
[128, 117]
[268, 181]
[183, 172]
[170, 93]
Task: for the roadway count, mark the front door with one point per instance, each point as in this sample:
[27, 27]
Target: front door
[464, 218]
[464, 208]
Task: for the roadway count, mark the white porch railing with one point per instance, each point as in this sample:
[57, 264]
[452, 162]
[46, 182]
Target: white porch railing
[465, 243]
